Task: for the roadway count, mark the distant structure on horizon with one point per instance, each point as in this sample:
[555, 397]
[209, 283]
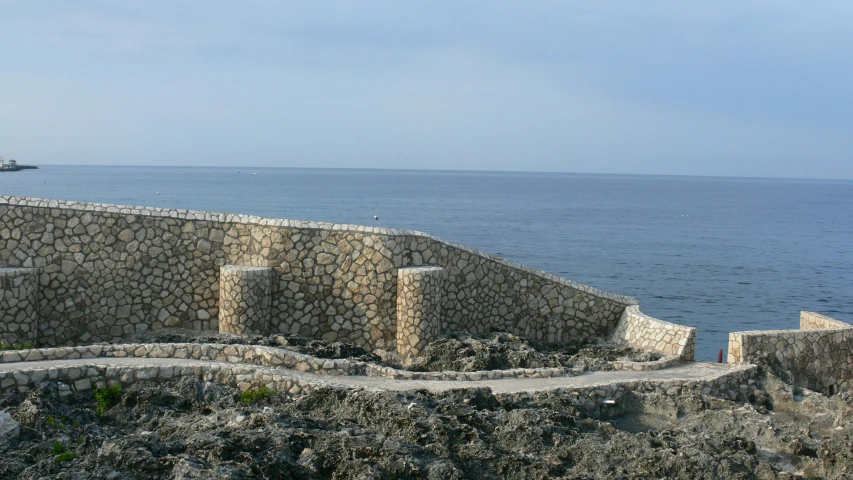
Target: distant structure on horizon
[13, 166]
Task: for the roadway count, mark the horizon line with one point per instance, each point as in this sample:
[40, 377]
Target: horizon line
[753, 177]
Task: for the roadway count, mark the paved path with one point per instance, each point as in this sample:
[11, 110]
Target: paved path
[686, 372]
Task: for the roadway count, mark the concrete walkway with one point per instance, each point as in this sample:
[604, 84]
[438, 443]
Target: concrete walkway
[685, 372]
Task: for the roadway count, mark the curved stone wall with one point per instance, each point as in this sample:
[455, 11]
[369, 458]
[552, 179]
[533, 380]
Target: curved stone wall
[110, 270]
[244, 299]
[270, 357]
[737, 384]
[638, 330]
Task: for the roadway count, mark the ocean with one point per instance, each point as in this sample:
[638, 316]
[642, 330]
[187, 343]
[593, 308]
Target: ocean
[720, 254]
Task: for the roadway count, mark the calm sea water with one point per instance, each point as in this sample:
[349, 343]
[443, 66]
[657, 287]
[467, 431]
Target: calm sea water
[721, 254]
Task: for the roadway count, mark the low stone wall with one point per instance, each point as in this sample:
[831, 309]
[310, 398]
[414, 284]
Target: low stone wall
[638, 330]
[737, 384]
[812, 320]
[75, 378]
[819, 356]
[665, 362]
[112, 270]
[546, 372]
[608, 399]
[271, 357]
[19, 319]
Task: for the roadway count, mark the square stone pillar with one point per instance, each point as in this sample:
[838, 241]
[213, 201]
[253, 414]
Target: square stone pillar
[19, 321]
[244, 299]
[419, 297]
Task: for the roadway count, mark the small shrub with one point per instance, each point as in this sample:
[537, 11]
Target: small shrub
[254, 394]
[65, 457]
[61, 452]
[54, 423]
[59, 448]
[107, 397]
[15, 346]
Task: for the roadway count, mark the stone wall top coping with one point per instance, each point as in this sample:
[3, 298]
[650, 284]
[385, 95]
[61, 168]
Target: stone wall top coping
[245, 268]
[182, 214]
[422, 268]
[635, 310]
[793, 331]
[834, 322]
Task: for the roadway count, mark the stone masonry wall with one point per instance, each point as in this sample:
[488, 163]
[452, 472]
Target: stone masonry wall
[18, 303]
[419, 298]
[819, 356]
[810, 320]
[110, 270]
[641, 331]
[597, 400]
[244, 299]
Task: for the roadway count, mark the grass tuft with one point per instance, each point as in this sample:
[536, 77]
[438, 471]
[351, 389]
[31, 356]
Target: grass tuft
[107, 397]
[59, 448]
[54, 423]
[65, 457]
[254, 394]
[4, 347]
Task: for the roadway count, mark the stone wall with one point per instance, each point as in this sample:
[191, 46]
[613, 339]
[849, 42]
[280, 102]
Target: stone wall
[419, 295]
[606, 399]
[272, 357]
[641, 331]
[244, 299]
[818, 356]
[811, 320]
[18, 302]
[110, 270]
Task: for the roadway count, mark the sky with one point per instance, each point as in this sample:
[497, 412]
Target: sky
[729, 87]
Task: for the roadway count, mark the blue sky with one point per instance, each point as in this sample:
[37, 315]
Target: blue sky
[740, 88]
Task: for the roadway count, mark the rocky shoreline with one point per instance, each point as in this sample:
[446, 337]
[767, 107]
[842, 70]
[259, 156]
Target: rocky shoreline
[191, 429]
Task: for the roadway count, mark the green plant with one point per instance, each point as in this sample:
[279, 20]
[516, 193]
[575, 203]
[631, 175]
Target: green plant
[65, 457]
[61, 452]
[54, 423]
[59, 448]
[106, 397]
[15, 346]
[254, 394]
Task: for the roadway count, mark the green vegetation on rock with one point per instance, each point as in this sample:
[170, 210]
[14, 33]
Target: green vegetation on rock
[254, 394]
[107, 397]
[15, 346]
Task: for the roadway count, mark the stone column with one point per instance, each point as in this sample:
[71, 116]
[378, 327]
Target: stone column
[19, 289]
[419, 296]
[244, 299]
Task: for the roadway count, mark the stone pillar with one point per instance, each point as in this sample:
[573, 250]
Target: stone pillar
[419, 296]
[244, 299]
[19, 289]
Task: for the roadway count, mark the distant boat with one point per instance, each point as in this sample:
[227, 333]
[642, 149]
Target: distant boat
[12, 166]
